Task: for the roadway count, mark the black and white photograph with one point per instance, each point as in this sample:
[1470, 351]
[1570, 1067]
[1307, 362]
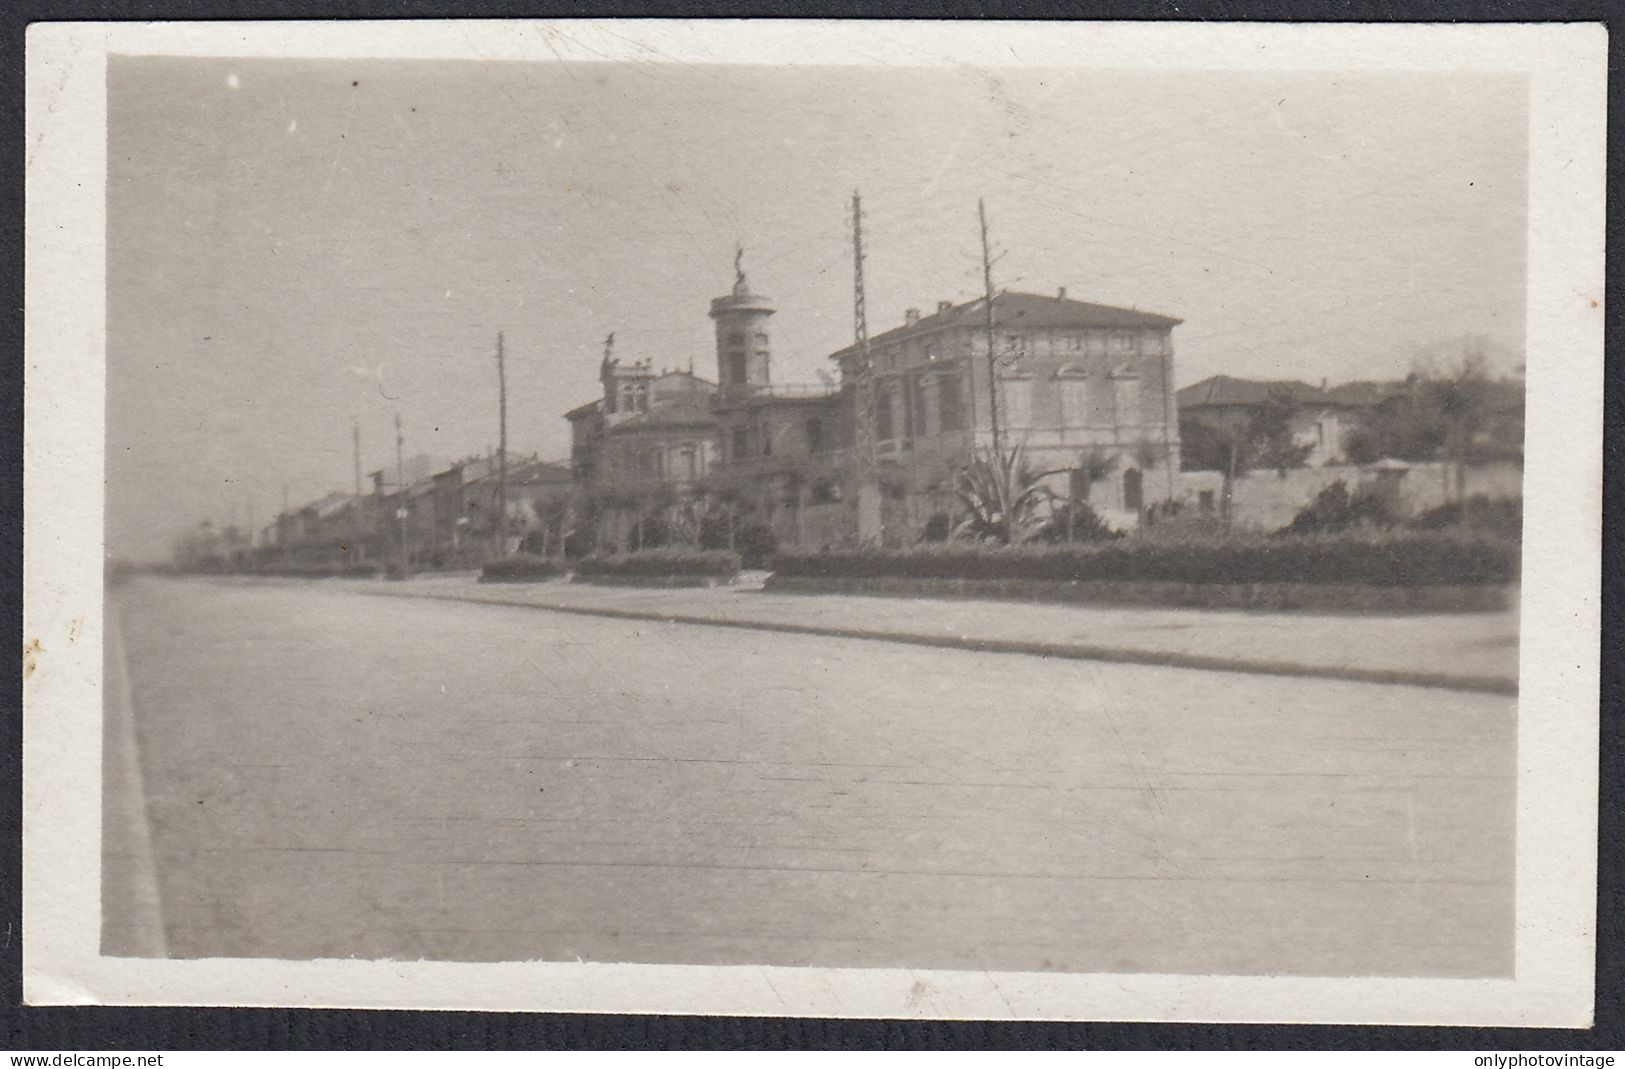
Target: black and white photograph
[1072, 521]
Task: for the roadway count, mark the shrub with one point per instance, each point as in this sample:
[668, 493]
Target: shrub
[1403, 559]
[756, 543]
[580, 542]
[1502, 516]
[651, 532]
[520, 568]
[661, 564]
[1335, 509]
[1074, 521]
[753, 540]
[1185, 526]
[937, 528]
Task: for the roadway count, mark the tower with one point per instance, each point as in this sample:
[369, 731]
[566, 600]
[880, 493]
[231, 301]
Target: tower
[744, 355]
[626, 386]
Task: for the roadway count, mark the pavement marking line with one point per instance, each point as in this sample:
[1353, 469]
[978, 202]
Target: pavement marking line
[143, 934]
[1033, 648]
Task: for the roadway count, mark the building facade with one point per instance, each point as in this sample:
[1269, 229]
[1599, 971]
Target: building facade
[1085, 390]
[644, 449]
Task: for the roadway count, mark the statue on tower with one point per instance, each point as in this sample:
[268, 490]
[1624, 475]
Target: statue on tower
[739, 268]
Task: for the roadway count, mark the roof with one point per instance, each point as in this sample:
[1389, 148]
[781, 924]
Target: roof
[1015, 309]
[679, 373]
[331, 503]
[580, 411]
[1222, 390]
[679, 412]
[527, 472]
[1363, 394]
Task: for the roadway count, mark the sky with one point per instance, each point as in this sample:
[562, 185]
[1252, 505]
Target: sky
[299, 247]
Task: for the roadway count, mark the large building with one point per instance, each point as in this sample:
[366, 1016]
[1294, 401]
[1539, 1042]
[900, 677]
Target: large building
[1084, 389]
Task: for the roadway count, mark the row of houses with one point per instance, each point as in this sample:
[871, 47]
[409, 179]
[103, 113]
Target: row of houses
[446, 518]
[1084, 390]
[871, 453]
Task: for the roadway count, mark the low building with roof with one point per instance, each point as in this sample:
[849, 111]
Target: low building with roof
[1322, 420]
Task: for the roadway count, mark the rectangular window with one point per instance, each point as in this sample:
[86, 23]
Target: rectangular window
[741, 443]
[815, 435]
[884, 422]
[1128, 401]
[1074, 402]
[950, 403]
[1018, 402]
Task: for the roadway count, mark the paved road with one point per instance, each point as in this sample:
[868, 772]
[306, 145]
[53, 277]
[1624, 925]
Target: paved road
[328, 773]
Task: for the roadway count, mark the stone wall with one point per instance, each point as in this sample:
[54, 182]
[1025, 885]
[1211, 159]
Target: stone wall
[1268, 500]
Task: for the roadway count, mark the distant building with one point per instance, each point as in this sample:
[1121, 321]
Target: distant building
[444, 519]
[1335, 424]
[1322, 419]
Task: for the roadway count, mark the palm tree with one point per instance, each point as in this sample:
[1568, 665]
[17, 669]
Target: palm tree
[1002, 497]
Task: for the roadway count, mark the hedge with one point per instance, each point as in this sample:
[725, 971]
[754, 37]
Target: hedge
[1401, 559]
[660, 564]
[521, 568]
[319, 569]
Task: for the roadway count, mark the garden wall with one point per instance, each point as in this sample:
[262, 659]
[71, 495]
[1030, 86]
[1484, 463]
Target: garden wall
[1268, 500]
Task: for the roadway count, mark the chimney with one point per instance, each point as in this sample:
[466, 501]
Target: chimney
[943, 306]
[1060, 294]
[911, 317]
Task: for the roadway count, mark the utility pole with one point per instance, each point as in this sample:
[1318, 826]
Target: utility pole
[992, 355]
[863, 421]
[400, 489]
[1170, 423]
[355, 436]
[502, 450]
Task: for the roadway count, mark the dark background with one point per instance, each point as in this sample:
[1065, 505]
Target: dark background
[97, 1028]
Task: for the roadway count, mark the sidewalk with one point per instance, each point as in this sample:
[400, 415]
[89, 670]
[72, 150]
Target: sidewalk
[1470, 651]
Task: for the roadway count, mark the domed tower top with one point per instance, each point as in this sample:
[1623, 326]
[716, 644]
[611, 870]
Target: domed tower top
[744, 352]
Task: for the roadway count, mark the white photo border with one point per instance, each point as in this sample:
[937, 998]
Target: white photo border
[64, 407]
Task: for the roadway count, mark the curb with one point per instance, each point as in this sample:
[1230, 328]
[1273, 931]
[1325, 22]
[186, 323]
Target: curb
[132, 907]
[1059, 650]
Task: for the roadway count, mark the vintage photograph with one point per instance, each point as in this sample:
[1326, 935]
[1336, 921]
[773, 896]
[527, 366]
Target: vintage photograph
[1042, 519]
